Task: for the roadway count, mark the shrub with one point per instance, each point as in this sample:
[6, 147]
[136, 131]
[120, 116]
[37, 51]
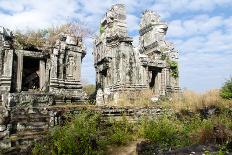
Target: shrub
[79, 136]
[170, 132]
[226, 90]
[163, 131]
[121, 132]
[85, 134]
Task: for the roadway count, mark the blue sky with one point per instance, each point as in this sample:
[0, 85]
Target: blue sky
[200, 29]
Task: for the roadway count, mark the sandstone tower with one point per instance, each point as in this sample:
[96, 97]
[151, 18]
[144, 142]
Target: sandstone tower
[51, 72]
[121, 67]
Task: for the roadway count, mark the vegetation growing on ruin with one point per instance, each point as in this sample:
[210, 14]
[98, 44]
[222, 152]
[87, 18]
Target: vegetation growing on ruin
[163, 56]
[174, 68]
[48, 36]
[101, 29]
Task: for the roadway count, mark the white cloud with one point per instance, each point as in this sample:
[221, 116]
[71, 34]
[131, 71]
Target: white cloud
[183, 6]
[36, 14]
[198, 25]
[132, 22]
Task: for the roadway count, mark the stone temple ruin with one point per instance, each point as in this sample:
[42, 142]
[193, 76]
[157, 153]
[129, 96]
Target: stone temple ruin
[32, 80]
[121, 67]
[53, 72]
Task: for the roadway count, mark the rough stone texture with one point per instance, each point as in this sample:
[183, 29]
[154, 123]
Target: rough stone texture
[121, 67]
[55, 71]
[30, 82]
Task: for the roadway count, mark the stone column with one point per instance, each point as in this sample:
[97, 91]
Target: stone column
[53, 72]
[7, 71]
[157, 83]
[42, 72]
[163, 82]
[77, 67]
[19, 72]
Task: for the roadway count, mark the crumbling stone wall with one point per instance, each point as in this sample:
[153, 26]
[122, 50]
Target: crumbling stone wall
[121, 67]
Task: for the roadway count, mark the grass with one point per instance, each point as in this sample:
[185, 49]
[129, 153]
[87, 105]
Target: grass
[134, 98]
[192, 101]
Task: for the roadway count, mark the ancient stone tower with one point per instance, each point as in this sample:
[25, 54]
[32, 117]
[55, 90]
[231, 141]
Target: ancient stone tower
[121, 67]
[52, 70]
[31, 82]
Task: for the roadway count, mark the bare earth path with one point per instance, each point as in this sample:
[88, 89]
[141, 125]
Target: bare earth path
[129, 149]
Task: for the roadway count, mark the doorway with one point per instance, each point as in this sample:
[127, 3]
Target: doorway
[30, 75]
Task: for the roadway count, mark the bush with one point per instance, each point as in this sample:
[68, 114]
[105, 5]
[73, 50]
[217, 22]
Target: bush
[163, 131]
[226, 90]
[170, 132]
[85, 134]
[121, 132]
[79, 136]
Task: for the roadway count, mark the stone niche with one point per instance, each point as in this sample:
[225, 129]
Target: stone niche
[122, 67]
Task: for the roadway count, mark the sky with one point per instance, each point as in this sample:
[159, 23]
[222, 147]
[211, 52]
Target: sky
[200, 29]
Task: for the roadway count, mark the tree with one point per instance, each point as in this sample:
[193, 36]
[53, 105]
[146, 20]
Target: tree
[226, 90]
[48, 37]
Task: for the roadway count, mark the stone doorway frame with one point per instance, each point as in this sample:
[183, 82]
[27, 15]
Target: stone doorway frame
[42, 67]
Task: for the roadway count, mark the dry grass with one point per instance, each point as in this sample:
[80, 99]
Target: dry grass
[134, 98]
[188, 100]
[192, 101]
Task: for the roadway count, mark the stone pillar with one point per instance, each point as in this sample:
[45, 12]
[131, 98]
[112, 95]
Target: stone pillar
[42, 72]
[157, 83]
[7, 71]
[19, 72]
[163, 82]
[54, 65]
[77, 67]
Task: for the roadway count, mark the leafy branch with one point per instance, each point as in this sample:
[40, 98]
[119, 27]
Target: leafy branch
[174, 68]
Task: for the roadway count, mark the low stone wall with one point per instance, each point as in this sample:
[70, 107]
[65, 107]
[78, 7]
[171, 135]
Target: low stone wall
[21, 125]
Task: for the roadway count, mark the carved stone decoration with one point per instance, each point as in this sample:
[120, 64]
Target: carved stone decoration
[129, 68]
